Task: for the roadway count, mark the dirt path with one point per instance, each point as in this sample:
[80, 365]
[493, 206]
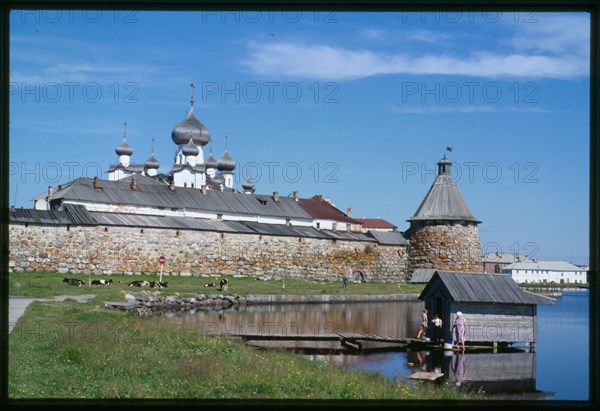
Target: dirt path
[18, 305]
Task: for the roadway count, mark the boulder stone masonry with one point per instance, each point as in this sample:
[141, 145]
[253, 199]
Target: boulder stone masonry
[446, 247]
[128, 250]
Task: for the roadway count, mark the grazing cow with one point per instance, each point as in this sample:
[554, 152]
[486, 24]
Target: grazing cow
[224, 284]
[74, 282]
[139, 283]
[210, 285]
[158, 284]
[102, 282]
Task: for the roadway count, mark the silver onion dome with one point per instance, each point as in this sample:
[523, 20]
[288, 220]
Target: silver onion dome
[152, 162]
[124, 149]
[225, 162]
[190, 149]
[190, 127]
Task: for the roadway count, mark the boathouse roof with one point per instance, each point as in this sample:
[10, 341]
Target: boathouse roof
[482, 288]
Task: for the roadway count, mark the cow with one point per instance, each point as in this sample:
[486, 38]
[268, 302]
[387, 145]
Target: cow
[139, 283]
[158, 284]
[102, 282]
[210, 285]
[74, 282]
[223, 284]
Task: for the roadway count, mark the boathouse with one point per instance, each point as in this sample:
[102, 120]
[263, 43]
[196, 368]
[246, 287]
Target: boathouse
[496, 309]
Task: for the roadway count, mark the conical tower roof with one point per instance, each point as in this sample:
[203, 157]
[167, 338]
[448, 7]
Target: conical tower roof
[443, 200]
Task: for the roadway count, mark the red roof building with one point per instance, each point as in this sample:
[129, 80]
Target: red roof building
[376, 224]
[327, 216]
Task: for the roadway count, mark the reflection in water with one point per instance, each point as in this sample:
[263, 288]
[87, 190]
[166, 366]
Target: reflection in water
[399, 319]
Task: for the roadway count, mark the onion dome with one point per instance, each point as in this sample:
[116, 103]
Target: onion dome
[152, 162]
[248, 185]
[124, 149]
[225, 162]
[190, 149]
[210, 162]
[191, 127]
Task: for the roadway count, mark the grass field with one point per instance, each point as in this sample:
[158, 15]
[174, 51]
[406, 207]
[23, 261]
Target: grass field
[75, 350]
[83, 350]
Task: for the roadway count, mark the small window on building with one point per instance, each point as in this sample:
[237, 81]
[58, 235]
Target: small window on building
[219, 216]
[334, 226]
[348, 227]
[319, 225]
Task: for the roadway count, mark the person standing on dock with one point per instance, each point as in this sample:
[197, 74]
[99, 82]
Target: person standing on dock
[423, 326]
[460, 325]
[437, 329]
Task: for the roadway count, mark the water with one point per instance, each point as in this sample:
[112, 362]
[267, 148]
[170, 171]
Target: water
[558, 370]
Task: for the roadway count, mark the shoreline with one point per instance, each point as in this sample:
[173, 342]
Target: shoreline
[148, 303]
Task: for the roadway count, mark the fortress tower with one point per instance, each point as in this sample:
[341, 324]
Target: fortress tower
[443, 233]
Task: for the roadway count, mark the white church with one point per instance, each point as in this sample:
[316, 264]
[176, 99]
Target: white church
[190, 168]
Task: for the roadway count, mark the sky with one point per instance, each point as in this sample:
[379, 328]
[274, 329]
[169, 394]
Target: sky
[357, 107]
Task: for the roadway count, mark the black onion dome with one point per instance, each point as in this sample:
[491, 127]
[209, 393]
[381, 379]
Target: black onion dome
[190, 149]
[124, 149]
[210, 162]
[190, 127]
[152, 162]
[226, 163]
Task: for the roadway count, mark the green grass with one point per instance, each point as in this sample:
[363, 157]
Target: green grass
[50, 284]
[74, 350]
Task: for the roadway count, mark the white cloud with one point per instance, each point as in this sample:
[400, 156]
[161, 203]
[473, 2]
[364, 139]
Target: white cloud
[553, 46]
[336, 63]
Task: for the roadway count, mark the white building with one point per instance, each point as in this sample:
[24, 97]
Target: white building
[189, 169]
[552, 272]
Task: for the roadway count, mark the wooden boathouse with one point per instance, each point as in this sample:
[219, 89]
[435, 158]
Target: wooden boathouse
[497, 310]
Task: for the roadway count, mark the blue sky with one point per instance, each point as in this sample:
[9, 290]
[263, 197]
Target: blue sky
[358, 107]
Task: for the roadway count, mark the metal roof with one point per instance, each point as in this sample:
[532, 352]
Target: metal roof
[486, 288]
[321, 209]
[422, 275]
[443, 202]
[375, 223]
[78, 215]
[544, 265]
[151, 193]
[389, 237]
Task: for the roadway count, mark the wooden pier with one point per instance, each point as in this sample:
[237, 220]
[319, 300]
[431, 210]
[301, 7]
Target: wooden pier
[348, 342]
[343, 342]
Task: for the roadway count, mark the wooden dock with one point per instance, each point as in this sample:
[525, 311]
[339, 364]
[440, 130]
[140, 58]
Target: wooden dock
[348, 341]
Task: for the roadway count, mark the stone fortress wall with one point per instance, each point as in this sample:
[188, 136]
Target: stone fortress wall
[446, 247]
[131, 250]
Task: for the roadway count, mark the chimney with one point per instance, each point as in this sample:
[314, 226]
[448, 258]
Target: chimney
[349, 211]
[328, 200]
[295, 196]
[96, 183]
[276, 196]
[320, 197]
[49, 197]
[203, 189]
[171, 186]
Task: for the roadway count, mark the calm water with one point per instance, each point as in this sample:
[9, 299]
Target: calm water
[558, 370]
